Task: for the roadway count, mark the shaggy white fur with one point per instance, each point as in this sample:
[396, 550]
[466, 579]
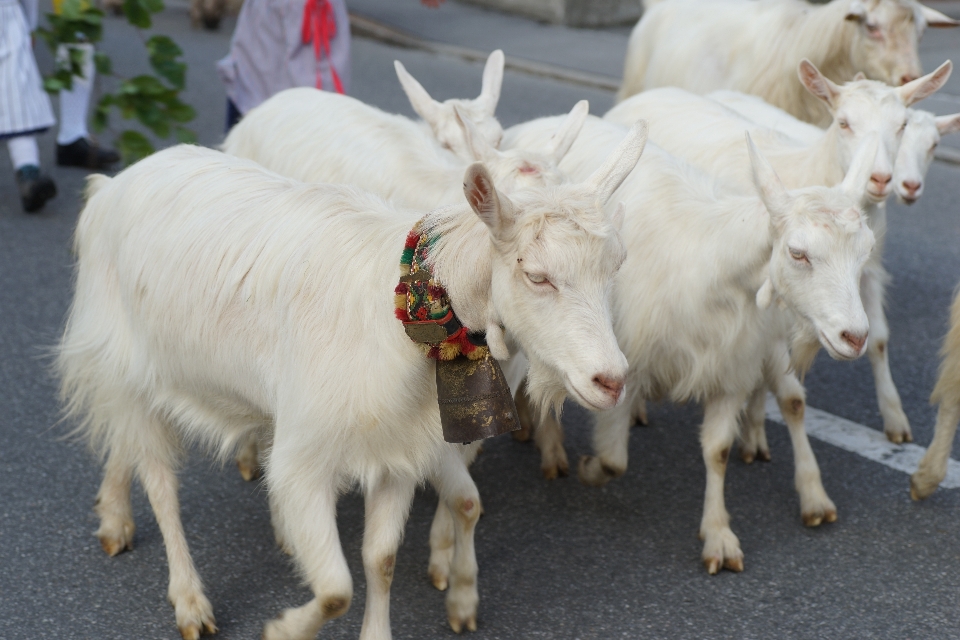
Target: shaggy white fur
[214, 298]
[754, 46]
[691, 303]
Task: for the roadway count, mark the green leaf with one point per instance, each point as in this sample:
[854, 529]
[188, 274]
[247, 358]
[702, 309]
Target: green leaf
[133, 146]
[153, 6]
[101, 118]
[137, 13]
[185, 136]
[103, 63]
[180, 112]
[52, 85]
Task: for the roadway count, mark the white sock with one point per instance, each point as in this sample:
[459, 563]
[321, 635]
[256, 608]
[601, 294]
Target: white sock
[23, 151]
[75, 103]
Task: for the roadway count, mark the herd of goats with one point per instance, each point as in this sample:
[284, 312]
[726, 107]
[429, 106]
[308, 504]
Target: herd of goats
[701, 241]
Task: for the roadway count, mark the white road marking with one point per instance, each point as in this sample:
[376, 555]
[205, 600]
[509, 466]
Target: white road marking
[867, 442]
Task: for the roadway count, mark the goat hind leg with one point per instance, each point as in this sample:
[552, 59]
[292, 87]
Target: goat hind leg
[193, 610]
[248, 457]
[933, 466]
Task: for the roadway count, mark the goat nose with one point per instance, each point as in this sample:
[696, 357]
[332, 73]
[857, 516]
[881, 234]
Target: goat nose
[854, 340]
[907, 77]
[610, 386]
[911, 186]
[882, 179]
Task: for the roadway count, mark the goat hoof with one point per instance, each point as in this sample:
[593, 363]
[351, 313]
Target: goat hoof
[594, 473]
[920, 487]
[763, 455]
[248, 471]
[712, 565]
[438, 578]
[116, 539]
[470, 624]
[733, 564]
[812, 519]
[194, 616]
[746, 456]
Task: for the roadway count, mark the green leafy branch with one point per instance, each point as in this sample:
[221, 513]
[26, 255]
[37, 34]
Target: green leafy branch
[152, 100]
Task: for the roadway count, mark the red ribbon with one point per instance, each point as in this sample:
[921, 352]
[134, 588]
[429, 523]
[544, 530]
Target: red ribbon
[319, 27]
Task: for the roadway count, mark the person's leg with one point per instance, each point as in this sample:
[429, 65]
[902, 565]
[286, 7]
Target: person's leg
[233, 115]
[35, 187]
[74, 148]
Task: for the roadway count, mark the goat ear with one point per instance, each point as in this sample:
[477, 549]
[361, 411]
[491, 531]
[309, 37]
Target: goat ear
[478, 146]
[934, 18]
[618, 217]
[929, 84]
[772, 192]
[817, 83]
[492, 80]
[860, 76]
[425, 106]
[765, 294]
[569, 129]
[621, 162]
[948, 124]
[490, 206]
[856, 12]
[858, 175]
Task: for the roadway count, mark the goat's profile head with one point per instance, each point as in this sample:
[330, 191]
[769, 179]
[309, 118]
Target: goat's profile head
[441, 115]
[518, 168]
[820, 244]
[919, 142]
[864, 108]
[555, 251]
[887, 35]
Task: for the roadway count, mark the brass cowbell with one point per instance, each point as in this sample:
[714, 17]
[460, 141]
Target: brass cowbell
[475, 400]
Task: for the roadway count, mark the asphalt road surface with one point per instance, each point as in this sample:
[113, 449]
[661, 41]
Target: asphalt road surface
[557, 559]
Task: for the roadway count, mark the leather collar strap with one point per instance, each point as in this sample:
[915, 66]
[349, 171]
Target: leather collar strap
[423, 306]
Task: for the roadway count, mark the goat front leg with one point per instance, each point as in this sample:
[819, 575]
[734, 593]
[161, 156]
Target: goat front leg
[113, 503]
[895, 423]
[303, 489]
[933, 466]
[387, 505]
[753, 435]
[611, 434]
[815, 505]
[721, 548]
[455, 564]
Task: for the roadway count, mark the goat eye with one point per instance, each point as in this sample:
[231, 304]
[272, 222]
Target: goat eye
[540, 281]
[799, 256]
[844, 124]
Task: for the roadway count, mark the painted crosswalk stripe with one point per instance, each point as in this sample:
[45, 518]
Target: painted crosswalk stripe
[867, 442]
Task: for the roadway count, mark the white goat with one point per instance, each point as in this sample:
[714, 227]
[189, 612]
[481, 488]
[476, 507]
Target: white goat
[754, 46]
[917, 146]
[439, 116]
[933, 466]
[214, 297]
[354, 143]
[705, 132]
[690, 303]
[382, 153]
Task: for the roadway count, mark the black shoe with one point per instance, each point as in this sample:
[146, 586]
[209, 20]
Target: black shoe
[80, 153]
[35, 187]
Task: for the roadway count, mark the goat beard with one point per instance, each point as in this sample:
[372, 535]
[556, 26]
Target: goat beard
[804, 346]
[545, 388]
